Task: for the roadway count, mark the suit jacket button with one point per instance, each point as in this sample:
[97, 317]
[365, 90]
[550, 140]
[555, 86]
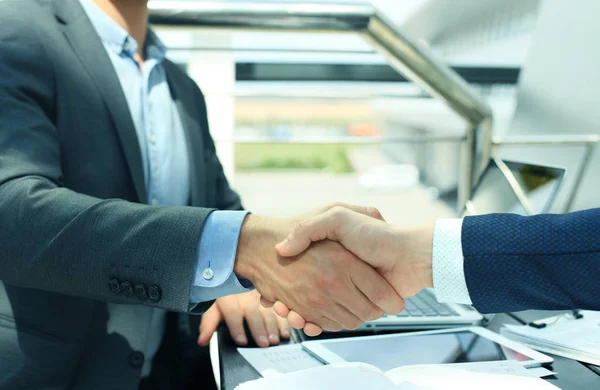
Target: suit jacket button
[140, 291]
[114, 286]
[154, 293]
[136, 359]
[126, 288]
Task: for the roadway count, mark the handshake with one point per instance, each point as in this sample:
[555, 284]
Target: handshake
[334, 268]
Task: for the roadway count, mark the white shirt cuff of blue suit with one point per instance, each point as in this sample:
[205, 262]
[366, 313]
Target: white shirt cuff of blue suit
[214, 276]
[449, 282]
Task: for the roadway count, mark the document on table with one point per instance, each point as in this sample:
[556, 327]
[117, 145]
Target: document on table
[290, 358]
[577, 339]
[279, 360]
[359, 376]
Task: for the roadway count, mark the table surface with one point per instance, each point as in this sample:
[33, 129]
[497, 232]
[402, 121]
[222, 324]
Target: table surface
[571, 375]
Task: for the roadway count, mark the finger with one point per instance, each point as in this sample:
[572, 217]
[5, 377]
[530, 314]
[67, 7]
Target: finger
[256, 323]
[233, 315]
[312, 330]
[372, 212]
[208, 325]
[324, 323]
[306, 232]
[284, 327]
[295, 320]
[377, 290]
[280, 309]
[344, 317]
[361, 306]
[270, 321]
[265, 302]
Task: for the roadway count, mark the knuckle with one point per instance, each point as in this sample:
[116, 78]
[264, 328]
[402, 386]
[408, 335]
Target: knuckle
[338, 211]
[333, 205]
[383, 295]
[374, 212]
[375, 313]
[354, 324]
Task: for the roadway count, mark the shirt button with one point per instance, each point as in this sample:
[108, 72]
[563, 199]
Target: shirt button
[153, 139]
[154, 202]
[208, 274]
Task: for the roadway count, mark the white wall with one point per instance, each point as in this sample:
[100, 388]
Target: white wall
[559, 90]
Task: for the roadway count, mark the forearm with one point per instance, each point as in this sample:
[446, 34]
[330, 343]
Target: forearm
[57, 240]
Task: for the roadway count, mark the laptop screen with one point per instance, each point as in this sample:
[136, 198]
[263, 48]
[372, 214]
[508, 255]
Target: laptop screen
[494, 193]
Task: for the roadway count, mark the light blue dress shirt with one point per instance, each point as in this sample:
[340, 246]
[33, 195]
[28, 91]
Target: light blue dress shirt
[165, 155]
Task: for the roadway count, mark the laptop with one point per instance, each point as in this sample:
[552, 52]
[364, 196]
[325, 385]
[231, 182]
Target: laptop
[505, 187]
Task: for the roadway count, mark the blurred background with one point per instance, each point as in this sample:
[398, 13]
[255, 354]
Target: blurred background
[296, 116]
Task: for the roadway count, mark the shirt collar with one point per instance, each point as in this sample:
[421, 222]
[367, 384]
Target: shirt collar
[116, 37]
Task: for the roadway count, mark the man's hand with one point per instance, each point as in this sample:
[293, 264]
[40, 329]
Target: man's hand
[266, 327]
[402, 257]
[326, 284]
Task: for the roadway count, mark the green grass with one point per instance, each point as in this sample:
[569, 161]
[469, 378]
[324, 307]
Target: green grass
[256, 157]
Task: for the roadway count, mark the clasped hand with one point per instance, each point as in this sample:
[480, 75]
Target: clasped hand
[401, 256]
[332, 269]
[325, 283]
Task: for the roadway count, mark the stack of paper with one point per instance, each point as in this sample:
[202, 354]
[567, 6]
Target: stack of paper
[577, 339]
[358, 376]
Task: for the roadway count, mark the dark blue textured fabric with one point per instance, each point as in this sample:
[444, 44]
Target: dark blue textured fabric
[549, 262]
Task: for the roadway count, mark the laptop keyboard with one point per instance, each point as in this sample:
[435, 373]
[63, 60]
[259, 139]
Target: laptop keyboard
[424, 304]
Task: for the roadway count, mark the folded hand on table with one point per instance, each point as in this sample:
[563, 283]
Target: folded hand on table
[266, 327]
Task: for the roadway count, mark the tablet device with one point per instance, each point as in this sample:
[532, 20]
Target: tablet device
[458, 345]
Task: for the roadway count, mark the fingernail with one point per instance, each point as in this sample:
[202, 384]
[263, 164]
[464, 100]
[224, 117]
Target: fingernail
[241, 339]
[274, 338]
[262, 340]
[285, 333]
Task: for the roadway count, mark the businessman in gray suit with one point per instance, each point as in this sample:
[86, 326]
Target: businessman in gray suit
[114, 210]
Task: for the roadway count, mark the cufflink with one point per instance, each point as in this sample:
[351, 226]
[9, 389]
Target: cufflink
[208, 274]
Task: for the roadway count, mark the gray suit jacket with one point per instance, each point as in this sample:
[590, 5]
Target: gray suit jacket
[72, 234]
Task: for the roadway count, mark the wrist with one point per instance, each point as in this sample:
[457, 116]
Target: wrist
[417, 249]
[256, 246]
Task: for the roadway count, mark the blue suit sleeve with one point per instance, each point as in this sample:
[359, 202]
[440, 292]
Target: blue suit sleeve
[547, 262]
[214, 276]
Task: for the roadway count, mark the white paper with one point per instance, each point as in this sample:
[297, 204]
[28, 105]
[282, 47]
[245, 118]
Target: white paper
[279, 360]
[501, 367]
[575, 339]
[445, 377]
[359, 376]
[348, 376]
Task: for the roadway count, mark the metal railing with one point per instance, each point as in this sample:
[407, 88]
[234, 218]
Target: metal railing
[412, 60]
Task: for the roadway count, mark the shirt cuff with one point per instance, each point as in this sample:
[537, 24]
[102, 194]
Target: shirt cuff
[449, 282]
[214, 276]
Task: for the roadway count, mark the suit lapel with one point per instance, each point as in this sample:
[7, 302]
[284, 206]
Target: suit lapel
[184, 100]
[88, 47]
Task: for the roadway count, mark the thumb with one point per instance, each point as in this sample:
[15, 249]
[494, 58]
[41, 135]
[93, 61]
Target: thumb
[210, 321]
[324, 226]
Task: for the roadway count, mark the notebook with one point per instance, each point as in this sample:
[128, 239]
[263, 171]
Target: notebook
[358, 376]
[562, 335]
